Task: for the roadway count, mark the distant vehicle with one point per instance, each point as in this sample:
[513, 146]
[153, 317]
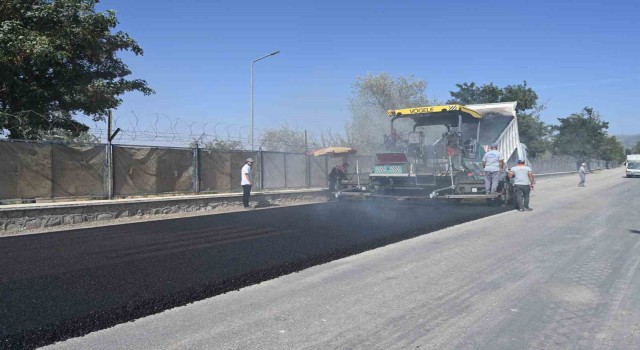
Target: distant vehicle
[633, 165]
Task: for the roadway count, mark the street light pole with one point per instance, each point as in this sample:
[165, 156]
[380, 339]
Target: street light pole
[252, 62]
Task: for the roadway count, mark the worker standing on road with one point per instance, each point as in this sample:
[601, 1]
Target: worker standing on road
[246, 181]
[583, 174]
[493, 166]
[523, 183]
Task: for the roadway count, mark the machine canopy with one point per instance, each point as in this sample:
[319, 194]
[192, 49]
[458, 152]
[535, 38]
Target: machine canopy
[437, 115]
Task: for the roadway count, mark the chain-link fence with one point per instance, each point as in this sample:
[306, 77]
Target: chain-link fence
[40, 170]
[560, 164]
[149, 170]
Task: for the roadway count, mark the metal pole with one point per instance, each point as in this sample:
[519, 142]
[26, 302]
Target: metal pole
[110, 168]
[252, 62]
[261, 156]
[109, 127]
[285, 169]
[252, 104]
[112, 180]
[326, 171]
[358, 172]
[307, 161]
[196, 169]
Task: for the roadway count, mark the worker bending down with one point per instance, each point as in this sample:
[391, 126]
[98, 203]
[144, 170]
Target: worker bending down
[337, 174]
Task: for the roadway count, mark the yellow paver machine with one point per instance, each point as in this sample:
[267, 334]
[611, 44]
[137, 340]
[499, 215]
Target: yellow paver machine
[448, 166]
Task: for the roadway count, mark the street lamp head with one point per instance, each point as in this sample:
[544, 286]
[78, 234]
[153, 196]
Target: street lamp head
[252, 62]
[263, 57]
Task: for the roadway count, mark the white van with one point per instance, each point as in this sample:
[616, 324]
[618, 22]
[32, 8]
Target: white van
[633, 165]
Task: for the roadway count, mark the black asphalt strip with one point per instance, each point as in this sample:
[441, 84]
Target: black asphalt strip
[60, 285]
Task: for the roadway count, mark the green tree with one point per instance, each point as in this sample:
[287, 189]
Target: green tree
[470, 93]
[371, 97]
[286, 139]
[612, 150]
[328, 139]
[66, 136]
[59, 58]
[218, 145]
[533, 132]
[581, 135]
[635, 149]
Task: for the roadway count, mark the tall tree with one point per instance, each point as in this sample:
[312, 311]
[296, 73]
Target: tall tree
[470, 93]
[218, 144]
[612, 150]
[635, 149]
[59, 58]
[372, 96]
[581, 135]
[286, 139]
[533, 132]
[329, 138]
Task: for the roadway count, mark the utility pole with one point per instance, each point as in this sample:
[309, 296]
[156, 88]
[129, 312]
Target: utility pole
[252, 62]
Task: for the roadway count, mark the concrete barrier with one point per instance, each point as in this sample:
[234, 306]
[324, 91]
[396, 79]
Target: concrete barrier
[22, 217]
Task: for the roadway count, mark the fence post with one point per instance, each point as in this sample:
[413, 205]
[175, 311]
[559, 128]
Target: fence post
[261, 157]
[196, 169]
[285, 169]
[307, 160]
[326, 171]
[231, 170]
[110, 170]
[107, 170]
[52, 169]
[307, 165]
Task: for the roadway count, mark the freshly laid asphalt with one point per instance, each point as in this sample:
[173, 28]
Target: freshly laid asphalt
[65, 284]
[563, 276]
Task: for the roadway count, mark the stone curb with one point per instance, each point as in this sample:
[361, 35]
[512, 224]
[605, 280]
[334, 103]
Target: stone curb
[40, 216]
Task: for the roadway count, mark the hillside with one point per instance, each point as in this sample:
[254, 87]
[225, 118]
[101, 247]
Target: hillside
[628, 140]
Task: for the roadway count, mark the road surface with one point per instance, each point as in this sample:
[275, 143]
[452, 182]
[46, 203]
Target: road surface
[564, 276]
[58, 285]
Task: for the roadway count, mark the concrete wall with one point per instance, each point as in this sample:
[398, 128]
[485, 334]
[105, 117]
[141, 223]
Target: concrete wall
[17, 218]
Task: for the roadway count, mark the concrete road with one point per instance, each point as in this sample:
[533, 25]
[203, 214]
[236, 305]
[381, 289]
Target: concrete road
[564, 276]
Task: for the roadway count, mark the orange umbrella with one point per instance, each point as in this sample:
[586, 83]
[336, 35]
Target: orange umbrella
[333, 151]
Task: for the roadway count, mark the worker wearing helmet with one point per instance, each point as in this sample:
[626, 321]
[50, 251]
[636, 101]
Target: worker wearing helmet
[493, 164]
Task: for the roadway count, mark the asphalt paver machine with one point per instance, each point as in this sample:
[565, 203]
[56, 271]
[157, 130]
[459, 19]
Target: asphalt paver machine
[449, 166]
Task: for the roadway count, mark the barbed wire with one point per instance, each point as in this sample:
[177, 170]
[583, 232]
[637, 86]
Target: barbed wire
[160, 129]
[164, 129]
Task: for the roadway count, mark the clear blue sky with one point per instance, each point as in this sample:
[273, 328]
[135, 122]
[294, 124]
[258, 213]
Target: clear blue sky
[198, 55]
